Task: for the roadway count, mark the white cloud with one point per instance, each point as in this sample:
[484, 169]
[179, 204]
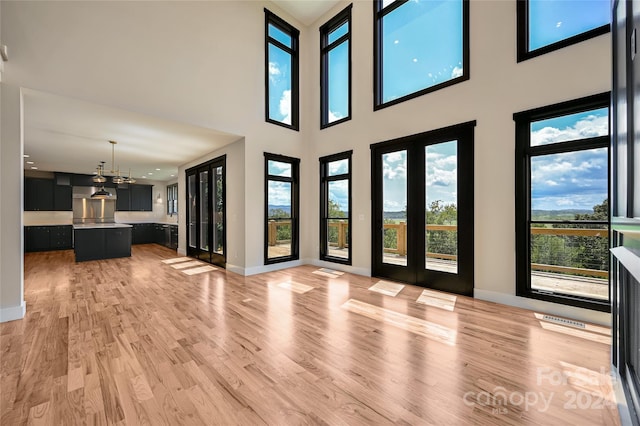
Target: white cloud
[442, 177]
[551, 182]
[333, 116]
[590, 126]
[285, 106]
[456, 72]
[559, 24]
[274, 71]
[446, 162]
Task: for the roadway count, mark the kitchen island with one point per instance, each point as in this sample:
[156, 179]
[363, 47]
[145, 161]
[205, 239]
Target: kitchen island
[93, 241]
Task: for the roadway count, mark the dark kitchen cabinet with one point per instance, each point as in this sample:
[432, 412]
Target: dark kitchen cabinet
[61, 237]
[41, 194]
[38, 194]
[102, 243]
[62, 198]
[143, 233]
[87, 180]
[141, 198]
[173, 237]
[118, 242]
[123, 200]
[44, 238]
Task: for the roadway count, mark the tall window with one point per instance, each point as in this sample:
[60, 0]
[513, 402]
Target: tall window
[335, 69]
[281, 72]
[335, 208]
[562, 202]
[545, 26]
[281, 208]
[419, 47]
[172, 199]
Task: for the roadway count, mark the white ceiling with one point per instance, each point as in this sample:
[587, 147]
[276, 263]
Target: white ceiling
[306, 11]
[69, 135]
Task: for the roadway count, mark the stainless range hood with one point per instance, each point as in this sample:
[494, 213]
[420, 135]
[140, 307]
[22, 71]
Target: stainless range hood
[89, 209]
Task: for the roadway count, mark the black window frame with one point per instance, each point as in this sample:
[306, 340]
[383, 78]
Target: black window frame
[325, 178]
[522, 36]
[325, 48]
[379, 12]
[295, 206]
[523, 154]
[282, 25]
[172, 195]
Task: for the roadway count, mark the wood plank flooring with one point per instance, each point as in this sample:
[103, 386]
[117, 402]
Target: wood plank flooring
[135, 341]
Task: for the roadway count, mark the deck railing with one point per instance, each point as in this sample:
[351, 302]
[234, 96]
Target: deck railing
[400, 246]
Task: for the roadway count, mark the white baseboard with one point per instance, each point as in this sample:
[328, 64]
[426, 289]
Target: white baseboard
[13, 313]
[572, 312]
[270, 268]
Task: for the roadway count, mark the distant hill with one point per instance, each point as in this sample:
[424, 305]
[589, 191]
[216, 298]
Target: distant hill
[567, 214]
[394, 215]
[286, 208]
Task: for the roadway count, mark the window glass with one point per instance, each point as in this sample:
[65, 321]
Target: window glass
[281, 72]
[569, 127]
[553, 21]
[338, 69]
[422, 46]
[338, 167]
[279, 35]
[279, 168]
[338, 32]
[279, 85]
[335, 69]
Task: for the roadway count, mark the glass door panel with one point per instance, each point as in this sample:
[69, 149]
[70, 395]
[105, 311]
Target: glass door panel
[218, 217]
[192, 219]
[279, 217]
[204, 210]
[441, 207]
[394, 208]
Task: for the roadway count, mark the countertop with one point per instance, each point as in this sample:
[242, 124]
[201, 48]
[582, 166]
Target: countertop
[135, 222]
[100, 225]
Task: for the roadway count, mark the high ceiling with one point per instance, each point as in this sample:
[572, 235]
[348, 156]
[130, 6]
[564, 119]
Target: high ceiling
[306, 11]
[69, 135]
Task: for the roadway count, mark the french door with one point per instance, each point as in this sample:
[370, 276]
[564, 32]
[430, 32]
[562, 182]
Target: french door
[422, 203]
[206, 213]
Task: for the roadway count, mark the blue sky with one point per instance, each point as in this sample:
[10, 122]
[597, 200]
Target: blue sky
[552, 21]
[576, 180]
[279, 78]
[422, 46]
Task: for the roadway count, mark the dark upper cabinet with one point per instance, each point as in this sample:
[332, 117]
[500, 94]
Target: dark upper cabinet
[141, 198]
[38, 194]
[123, 200]
[82, 180]
[62, 198]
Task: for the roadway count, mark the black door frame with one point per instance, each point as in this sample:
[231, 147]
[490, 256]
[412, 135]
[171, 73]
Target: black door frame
[415, 271]
[208, 255]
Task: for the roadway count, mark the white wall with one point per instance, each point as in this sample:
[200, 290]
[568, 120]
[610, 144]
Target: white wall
[203, 63]
[498, 87]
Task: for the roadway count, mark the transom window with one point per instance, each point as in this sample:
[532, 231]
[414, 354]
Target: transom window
[419, 47]
[281, 72]
[335, 69]
[562, 202]
[281, 208]
[335, 208]
[545, 26]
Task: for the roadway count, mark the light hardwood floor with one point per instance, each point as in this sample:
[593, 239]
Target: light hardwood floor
[135, 341]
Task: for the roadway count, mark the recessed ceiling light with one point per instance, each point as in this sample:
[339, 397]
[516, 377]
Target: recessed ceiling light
[34, 168]
[172, 175]
[144, 177]
[30, 162]
[158, 170]
[26, 156]
[149, 173]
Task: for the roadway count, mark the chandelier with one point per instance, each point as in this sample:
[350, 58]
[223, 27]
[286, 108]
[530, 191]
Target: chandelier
[117, 179]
